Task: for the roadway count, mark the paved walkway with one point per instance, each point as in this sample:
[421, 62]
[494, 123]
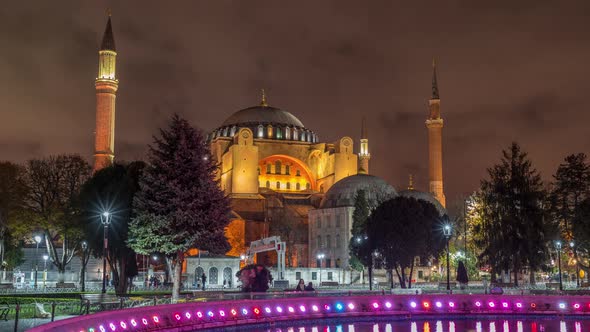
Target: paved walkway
[27, 323]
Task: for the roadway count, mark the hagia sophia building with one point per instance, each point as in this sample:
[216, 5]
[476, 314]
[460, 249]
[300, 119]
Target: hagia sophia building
[278, 172]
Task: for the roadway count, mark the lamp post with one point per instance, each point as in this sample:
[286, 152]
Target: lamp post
[37, 240]
[558, 246]
[447, 232]
[105, 219]
[45, 258]
[84, 262]
[572, 244]
[321, 257]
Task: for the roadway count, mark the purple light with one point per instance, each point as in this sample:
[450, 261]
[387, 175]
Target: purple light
[256, 311]
[291, 310]
[267, 309]
[426, 304]
[477, 304]
[505, 304]
[102, 329]
[221, 313]
[199, 314]
[438, 304]
[388, 305]
[279, 309]
[491, 304]
[210, 313]
[375, 305]
[144, 321]
[112, 326]
[315, 308]
[577, 306]
[133, 323]
[244, 311]
[518, 305]
[562, 305]
[123, 325]
[451, 304]
[156, 319]
[413, 304]
[234, 312]
[327, 307]
[187, 315]
[302, 308]
[351, 306]
[177, 316]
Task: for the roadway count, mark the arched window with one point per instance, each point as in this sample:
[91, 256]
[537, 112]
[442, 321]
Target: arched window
[328, 241]
[308, 186]
[337, 244]
[298, 173]
[278, 167]
[198, 273]
[297, 186]
[260, 131]
[319, 241]
[287, 169]
[295, 134]
[213, 275]
[232, 132]
[269, 131]
[287, 133]
[278, 185]
[268, 170]
[268, 184]
[288, 185]
[303, 136]
[279, 133]
[227, 277]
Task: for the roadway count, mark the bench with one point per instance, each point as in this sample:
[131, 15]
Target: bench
[585, 284]
[65, 285]
[329, 284]
[4, 309]
[552, 285]
[7, 286]
[103, 300]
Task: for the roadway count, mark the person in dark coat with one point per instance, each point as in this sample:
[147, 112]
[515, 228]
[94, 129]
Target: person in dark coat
[203, 279]
[309, 287]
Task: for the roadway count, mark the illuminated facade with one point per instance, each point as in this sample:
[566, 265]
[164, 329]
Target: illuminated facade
[106, 84]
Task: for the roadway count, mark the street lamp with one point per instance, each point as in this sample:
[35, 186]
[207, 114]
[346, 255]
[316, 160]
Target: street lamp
[84, 262]
[572, 244]
[321, 257]
[105, 219]
[37, 240]
[447, 232]
[558, 246]
[45, 258]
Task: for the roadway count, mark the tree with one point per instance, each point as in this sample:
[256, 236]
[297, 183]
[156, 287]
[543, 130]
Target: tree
[513, 231]
[360, 253]
[254, 278]
[179, 205]
[401, 229]
[112, 189]
[462, 277]
[13, 191]
[53, 185]
[571, 187]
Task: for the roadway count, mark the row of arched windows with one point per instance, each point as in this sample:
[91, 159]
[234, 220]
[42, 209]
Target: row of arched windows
[328, 242]
[328, 221]
[282, 133]
[279, 169]
[213, 276]
[287, 185]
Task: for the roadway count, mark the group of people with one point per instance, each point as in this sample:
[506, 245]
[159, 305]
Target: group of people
[153, 281]
[301, 286]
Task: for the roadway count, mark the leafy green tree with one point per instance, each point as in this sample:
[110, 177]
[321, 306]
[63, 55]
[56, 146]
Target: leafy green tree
[571, 186]
[13, 191]
[513, 231]
[54, 184]
[179, 205]
[360, 252]
[112, 189]
[400, 230]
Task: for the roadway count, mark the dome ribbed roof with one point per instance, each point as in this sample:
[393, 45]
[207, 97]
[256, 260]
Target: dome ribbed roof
[343, 192]
[425, 197]
[262, 115]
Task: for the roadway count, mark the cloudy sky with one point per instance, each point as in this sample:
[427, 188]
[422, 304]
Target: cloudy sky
[508, 71]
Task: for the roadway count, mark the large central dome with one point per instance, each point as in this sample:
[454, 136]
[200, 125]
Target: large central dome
[343, 192]
[263, 115]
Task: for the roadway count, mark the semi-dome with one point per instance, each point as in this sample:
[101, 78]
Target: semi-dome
[262, 115]
[425, 197]
[343, 192]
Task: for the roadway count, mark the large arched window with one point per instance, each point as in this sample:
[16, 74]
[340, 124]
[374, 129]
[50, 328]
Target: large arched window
[303, 136]
[287, 169]
[232, 132]
[288, 185]
[308, 186]
[279, 133]
[268, 168]
[297, 186]
[287, 133]
[269, 131]
[268, 184]
[278, 167]
[227, 277]
[260, 131]
[213, 276]
[278, 185]
[225, 131]
[295, 134]
[198, 274]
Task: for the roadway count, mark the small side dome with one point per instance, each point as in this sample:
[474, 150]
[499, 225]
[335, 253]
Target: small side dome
[425, 197]
[343, 192]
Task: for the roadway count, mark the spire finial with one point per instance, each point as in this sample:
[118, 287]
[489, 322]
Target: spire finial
[108, 39]
[363, 128]
[434, 83]
[109, 12]
[263, 100]
[411, 183]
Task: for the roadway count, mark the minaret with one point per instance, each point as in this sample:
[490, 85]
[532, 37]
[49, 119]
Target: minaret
[434, 123]
[364, 155]
[106, 92]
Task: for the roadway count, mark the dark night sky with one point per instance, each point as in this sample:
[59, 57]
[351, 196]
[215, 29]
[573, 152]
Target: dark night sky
[508, 70]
